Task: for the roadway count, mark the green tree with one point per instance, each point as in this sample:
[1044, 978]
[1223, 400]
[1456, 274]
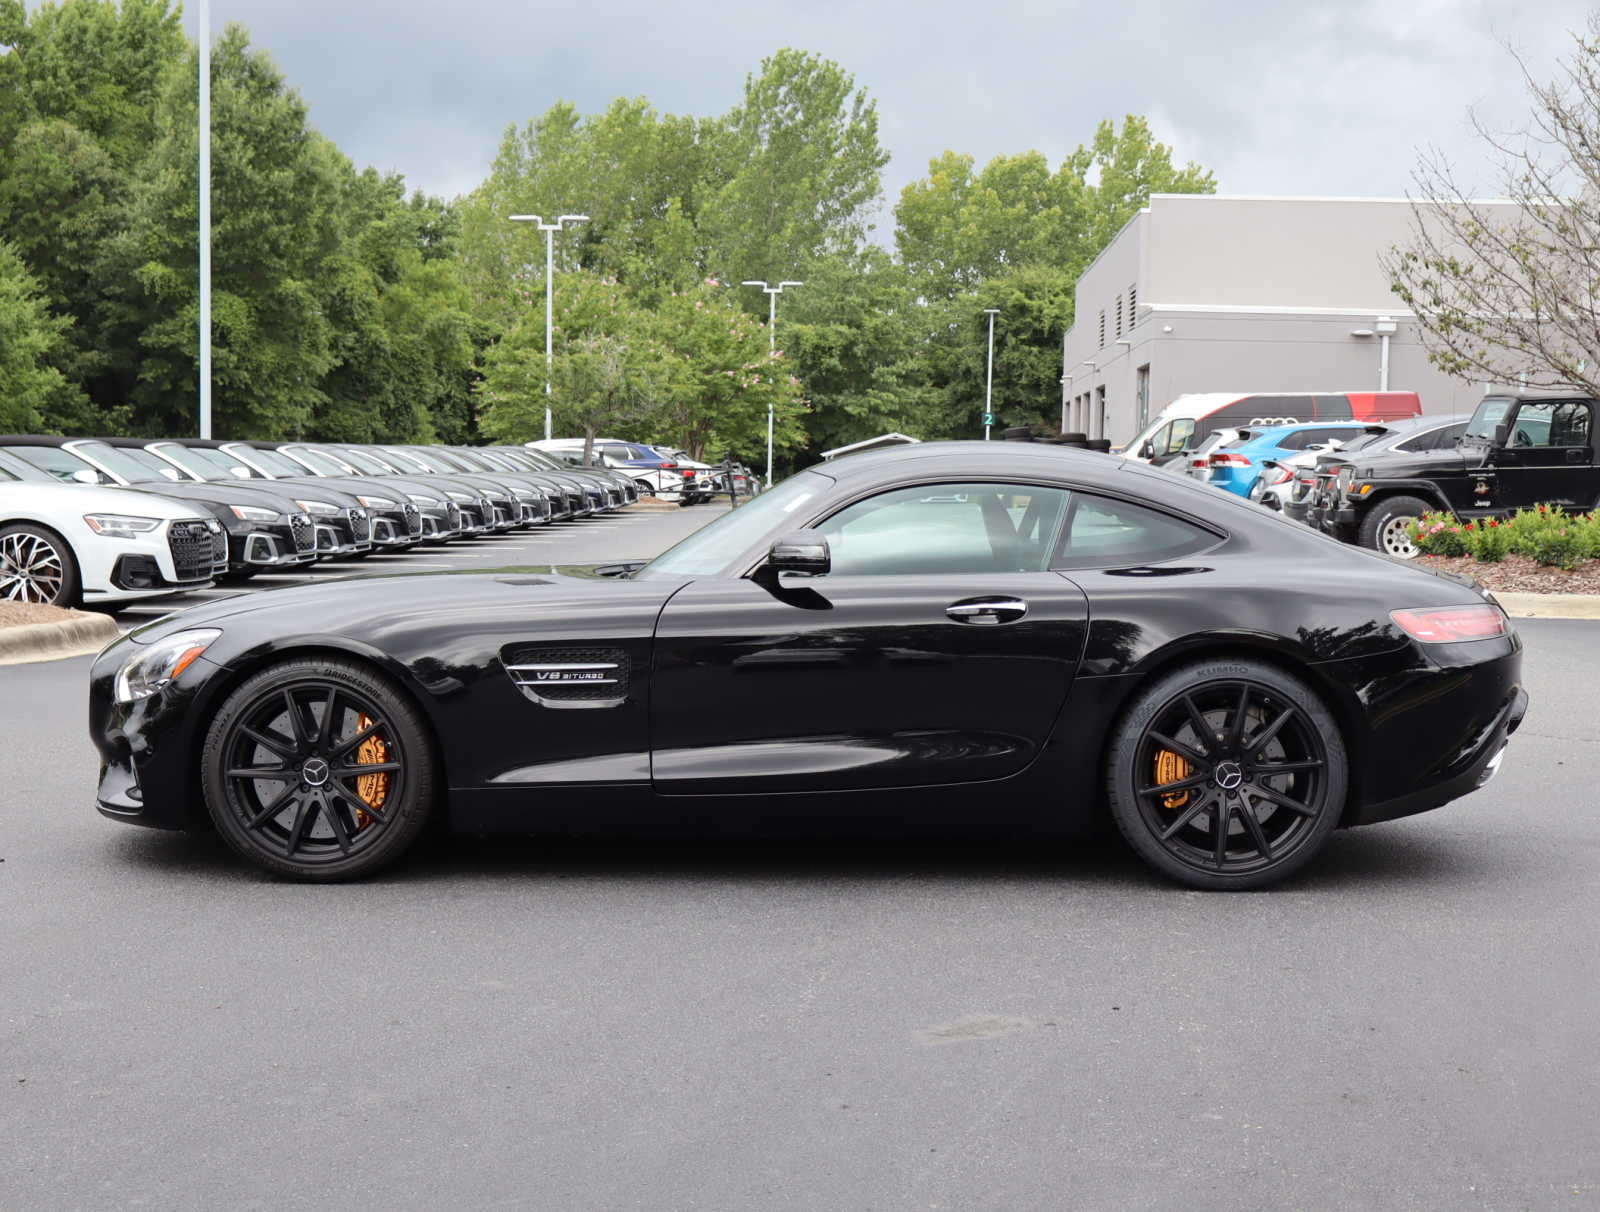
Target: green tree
[858, 336]
[29, 388]
[719, 377]
[274, 190]
[802, 169]
[955, 227]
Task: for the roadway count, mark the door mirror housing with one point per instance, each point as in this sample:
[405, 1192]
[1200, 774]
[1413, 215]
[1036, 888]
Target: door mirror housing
[84, 476]
[800, 551]
[1502, 433]
[1147, 451]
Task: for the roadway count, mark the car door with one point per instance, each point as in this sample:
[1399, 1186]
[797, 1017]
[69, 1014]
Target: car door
[1548, 457]
[937, 650]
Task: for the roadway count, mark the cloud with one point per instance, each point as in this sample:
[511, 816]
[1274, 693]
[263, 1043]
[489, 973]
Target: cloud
[1276, 98]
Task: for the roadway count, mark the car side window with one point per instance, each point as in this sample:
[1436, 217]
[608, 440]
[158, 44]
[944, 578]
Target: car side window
[1104, 532]
[947, 528]
[62, 464]
[1178, 437]
[1551, 423]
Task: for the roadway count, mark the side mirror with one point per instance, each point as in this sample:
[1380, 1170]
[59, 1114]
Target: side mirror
[1147, 451]
[84, 476]
[1502, 433]
[239, 473]
[800, 551]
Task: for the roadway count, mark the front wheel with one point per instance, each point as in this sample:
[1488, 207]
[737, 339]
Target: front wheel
[319, 770]
[1387, 526]
[36, 565]
[1228, 775]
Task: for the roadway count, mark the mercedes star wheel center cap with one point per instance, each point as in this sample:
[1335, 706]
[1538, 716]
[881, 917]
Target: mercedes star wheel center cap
[1229, 775]
[315, 772]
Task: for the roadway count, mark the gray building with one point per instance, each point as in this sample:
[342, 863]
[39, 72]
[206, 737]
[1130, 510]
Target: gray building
[1204, 293]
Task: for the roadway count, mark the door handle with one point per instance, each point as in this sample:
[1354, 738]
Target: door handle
[987, 611]
[1577, 456]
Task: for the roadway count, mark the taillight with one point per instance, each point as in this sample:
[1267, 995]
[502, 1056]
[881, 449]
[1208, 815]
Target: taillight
[688, 473]
[1451, 624]
[669, 467]
[1284, 476]
[1229, 460]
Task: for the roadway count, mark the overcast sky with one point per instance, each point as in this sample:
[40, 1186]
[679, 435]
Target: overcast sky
[1276, 96]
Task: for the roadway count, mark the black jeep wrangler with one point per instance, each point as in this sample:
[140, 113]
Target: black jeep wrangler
[1520, 449]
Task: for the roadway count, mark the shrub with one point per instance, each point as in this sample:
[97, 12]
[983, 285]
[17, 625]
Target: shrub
[1489, 542]
[1559, 547]
[1439, 534]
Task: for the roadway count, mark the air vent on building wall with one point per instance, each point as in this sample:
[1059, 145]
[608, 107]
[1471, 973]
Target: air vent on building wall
[1102, 330]
[1133, 304]
[1119, 315]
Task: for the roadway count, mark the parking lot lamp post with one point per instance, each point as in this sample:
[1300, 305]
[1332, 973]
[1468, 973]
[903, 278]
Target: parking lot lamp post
[772, 293]
[549, 230]
[988, 387]
[205, 218]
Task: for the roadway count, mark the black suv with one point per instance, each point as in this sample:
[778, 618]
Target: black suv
[1520, 449]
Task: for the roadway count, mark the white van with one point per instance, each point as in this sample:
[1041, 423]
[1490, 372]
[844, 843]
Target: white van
[1184, 423]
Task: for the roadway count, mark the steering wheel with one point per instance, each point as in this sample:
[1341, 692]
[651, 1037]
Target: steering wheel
[1521, 438]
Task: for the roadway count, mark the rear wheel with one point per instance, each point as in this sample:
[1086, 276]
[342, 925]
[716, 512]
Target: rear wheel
[36, 565]
[1228, 775]
[1387, 526]
[319, 770]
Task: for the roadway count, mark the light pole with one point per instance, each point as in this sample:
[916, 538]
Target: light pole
[988, 387]
[205, 218]
[549, 230]
[772, 293]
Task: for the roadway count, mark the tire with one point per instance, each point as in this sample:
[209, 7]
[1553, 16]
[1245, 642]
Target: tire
[1165, 778]
[347, 825]
[1383, 529]
[37, 565]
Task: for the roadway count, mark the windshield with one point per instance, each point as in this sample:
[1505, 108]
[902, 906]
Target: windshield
[207, 464]
[134, 466]
[537, 457]
[21, 469]
[319, 462]
[1487, 418]
[365, 462]
[275, 463]
[708, 551]
[419, 459]
[1363, 439]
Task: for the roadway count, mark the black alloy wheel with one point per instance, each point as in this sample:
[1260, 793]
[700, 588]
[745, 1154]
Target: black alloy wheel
[319, 770]
[36, 565]
[1228, 775]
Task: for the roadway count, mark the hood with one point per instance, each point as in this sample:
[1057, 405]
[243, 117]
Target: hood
[364, 607]
[1410, 465]
[241, 492]
[93, 498]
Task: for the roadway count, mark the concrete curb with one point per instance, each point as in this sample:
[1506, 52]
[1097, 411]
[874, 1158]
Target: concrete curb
[654, 505]
[1550, 605]
[53, 641]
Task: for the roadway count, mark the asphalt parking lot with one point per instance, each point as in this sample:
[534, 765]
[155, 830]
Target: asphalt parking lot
[1412, 1024]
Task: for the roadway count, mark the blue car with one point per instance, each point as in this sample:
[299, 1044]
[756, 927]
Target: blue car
[1237, 466]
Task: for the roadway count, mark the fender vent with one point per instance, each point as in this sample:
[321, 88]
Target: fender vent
[569, 677]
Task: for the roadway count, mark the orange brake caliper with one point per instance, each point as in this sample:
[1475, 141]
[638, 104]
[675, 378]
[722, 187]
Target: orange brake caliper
[372, 788]
[1170, 768]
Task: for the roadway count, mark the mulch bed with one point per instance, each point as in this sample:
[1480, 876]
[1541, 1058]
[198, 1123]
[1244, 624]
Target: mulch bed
[1519, 574]
[15, 614]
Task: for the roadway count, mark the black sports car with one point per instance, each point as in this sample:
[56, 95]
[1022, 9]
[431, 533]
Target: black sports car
[989, 638]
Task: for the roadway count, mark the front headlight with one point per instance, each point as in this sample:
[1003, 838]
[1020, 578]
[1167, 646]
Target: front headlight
[418, 498]
[150, 667]
[254, 513]
[321, 507]
[119, 525]
[376, 502]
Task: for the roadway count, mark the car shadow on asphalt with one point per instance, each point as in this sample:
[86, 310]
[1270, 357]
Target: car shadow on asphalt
[1374, 858]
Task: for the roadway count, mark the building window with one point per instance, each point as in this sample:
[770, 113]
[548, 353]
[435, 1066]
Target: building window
[1142, 388]
[1102, 330]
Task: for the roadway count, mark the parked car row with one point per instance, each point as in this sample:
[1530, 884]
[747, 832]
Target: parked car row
[108, 520]
[666, 472]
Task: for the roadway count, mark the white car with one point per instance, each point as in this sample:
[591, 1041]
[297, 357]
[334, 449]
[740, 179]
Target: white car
[75, 544]
[623, 456]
